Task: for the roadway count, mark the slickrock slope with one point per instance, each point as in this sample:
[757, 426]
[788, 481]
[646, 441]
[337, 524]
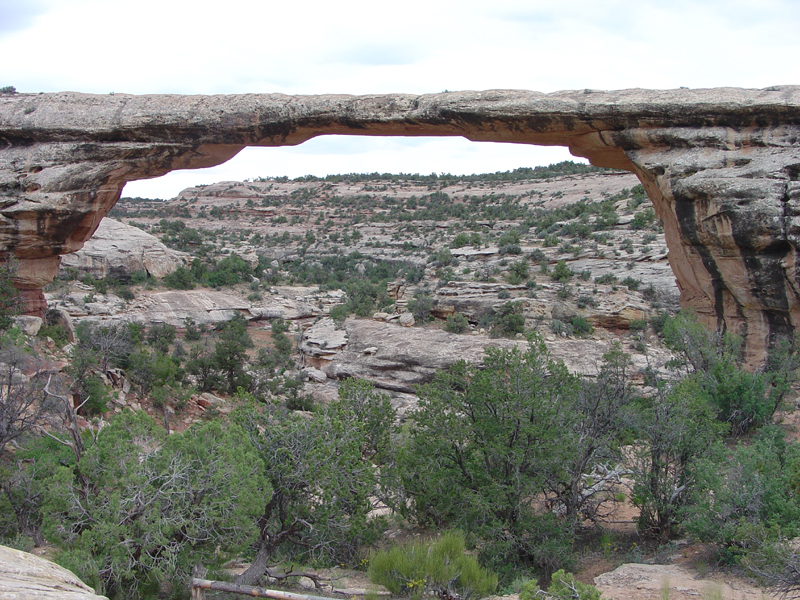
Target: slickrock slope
[120, 250]
[24, 576]
[722, 167]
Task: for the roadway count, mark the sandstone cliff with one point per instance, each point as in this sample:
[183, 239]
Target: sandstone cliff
[120, 250]
[722, 167]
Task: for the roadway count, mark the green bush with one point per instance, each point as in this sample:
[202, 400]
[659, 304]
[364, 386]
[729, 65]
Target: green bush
[339, 313]
[421, 307]
[509, 320]
[714, 362]
[631, 283]
[563, 586]
[456, 323]
[461, 240]
[755, 486]
[608, 279]
[560, 328]
[57, 333]
[562, 272]
[180, 279]
[432, 568]
[444, 257]
[581, 326]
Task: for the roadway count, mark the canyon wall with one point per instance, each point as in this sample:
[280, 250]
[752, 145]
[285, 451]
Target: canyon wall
[721, 166]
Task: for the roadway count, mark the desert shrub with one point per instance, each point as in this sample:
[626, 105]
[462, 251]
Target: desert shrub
[631, 283]
[658, 321]
[475, 426]
[678, 431]
[415, 274]
[562, 272]
[456, 323]
[509, 320]
[161, 335]
[193, 331]
[504, 294]
[444, 257]
[583, 301]
[56, 332]
[560, 328]
[461, 240]
[564, 586]
[439, 567]
[229, 271]
[537, 256]
[714, 364]
[581, 326]
[607, 279]
[180, 279]
[339, 313]
[168, 497]
[755, 486]
[511, 237]
[126, 293]
[510, 249]
[520, 270]
[420, 306]
[643, 219]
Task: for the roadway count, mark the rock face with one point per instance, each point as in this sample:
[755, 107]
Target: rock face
[24, 576]
[393, 357]
[722, 167]
[120, 250]
[635, 581]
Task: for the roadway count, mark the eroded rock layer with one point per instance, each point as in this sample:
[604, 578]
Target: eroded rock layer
[722, 167]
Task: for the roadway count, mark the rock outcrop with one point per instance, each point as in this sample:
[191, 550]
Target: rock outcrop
[120, 250]
[722, 167]
[398, 359]
[24, 576]
[635, 581]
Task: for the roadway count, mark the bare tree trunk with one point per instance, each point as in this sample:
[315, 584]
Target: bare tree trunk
[257, 568]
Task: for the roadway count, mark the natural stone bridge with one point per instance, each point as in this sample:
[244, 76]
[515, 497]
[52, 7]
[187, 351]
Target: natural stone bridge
[721, 166]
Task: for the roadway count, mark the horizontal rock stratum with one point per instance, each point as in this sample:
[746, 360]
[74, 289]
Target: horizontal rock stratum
[721, 166]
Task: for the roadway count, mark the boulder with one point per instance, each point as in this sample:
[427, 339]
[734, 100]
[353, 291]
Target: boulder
[393, 358]
[118, 249]
[406, 319]
[315, 374]
[209, 400]
[28, 325]
[24, 576]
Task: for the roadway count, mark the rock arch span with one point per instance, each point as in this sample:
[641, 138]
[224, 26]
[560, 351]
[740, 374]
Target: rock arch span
[721, 166]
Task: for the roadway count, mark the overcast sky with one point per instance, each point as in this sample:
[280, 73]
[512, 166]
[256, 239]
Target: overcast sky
[355, 47]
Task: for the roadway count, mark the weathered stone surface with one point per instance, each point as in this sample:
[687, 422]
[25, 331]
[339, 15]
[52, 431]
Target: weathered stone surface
[28, 325]
[24, 576]
[634, 581]
[399, 358]
[315, 374]
[392, 357]
[120, 250]
[722, 167]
